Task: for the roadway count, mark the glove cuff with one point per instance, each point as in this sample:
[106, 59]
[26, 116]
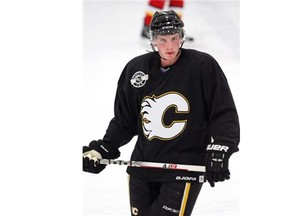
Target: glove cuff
[106, 150]
[226, 149]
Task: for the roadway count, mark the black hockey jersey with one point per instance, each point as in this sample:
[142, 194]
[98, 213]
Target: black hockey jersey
[174, 111]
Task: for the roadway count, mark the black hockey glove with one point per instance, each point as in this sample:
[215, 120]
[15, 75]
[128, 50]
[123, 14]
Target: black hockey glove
[217, 158]
[96, 151]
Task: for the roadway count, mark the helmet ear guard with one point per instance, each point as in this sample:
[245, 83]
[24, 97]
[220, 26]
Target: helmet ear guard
[182, 34]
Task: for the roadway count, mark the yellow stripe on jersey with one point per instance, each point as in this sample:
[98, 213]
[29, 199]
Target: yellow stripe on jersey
[185, 198]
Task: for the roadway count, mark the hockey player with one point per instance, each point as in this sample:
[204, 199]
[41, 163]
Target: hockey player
[178, 102]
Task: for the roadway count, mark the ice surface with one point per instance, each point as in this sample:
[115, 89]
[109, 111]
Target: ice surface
[111, 37]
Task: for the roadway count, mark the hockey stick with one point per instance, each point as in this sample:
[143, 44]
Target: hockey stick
[143, 164]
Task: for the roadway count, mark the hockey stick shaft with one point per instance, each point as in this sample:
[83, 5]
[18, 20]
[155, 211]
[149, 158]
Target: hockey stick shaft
[143, 164]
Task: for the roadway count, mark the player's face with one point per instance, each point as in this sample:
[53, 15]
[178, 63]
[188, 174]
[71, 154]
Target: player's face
[168, 48]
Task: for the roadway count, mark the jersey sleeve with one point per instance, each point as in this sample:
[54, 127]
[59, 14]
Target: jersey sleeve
[222, 113]
[123, 126]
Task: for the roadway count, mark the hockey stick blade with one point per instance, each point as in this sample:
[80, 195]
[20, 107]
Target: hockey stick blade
[195, 168]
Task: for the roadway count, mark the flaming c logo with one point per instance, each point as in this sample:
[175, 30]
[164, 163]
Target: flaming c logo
[153, 110]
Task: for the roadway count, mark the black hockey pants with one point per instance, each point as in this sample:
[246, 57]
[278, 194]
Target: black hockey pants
[162, 198]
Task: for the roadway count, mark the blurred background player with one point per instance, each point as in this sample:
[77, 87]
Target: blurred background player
[155, 5]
